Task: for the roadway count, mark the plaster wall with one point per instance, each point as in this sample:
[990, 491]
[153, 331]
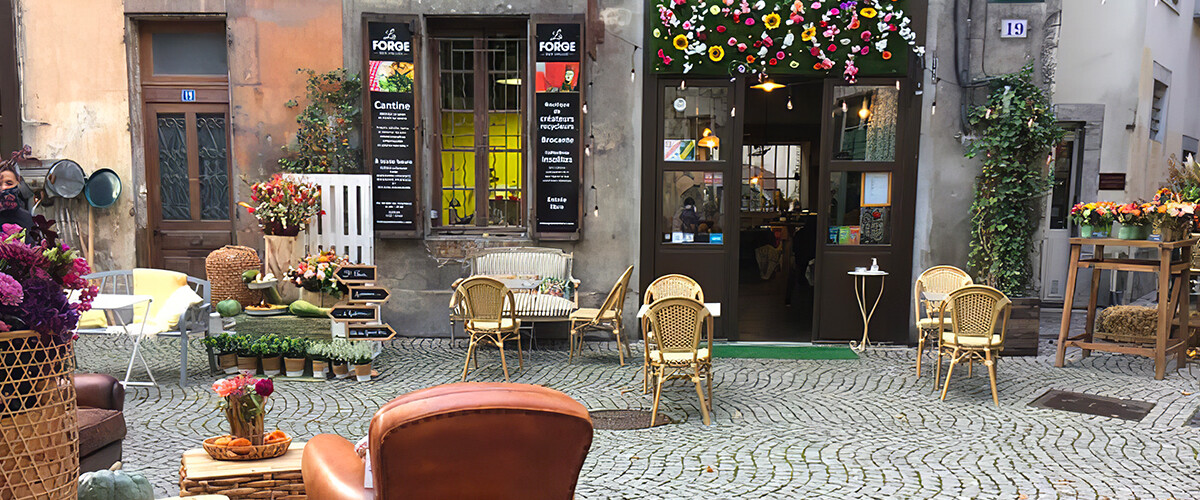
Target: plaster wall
[420, 272]
[75, 104]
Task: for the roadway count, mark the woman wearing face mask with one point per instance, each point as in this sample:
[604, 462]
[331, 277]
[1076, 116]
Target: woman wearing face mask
[12, 206]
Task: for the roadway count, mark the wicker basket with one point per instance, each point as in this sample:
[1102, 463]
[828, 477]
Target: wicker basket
[258, 452]
[1127, 324]
[225, 266]
[273, 485]
[39, 440]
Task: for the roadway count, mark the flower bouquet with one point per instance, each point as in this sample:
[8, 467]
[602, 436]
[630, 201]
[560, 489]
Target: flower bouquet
[1171, 217]
[315, 273]
[1094, 219]
[284, 205]
[1132, 217]
[243, 398]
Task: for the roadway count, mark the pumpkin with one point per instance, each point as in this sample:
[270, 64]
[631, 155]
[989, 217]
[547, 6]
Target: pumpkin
[229, 308]
[114, 484]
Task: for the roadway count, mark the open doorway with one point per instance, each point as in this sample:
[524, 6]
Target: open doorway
[778, 224]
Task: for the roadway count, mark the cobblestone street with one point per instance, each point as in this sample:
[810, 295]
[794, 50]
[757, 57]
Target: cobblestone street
[866, 428]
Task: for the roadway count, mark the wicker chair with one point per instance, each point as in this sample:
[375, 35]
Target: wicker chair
[607, 317]
[490, 317]
[678, 324]
[667, 286]
[974, 311]
[937, 279]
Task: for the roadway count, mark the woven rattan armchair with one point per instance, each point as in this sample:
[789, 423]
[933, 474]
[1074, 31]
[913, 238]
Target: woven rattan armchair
[678, 324]
[666, 286]
[490, 317]
[974, 311]
[607, 317]
[937, 279]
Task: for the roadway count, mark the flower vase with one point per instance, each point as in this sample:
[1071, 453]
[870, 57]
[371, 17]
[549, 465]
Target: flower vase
[1085, 230]
[238, 427]
[272, 365]
[320, 368]
[1130, 232]
[1166, 230]
[362, 372]
[1102, 230]
[341, 369]
[280, 253]
[319, 299]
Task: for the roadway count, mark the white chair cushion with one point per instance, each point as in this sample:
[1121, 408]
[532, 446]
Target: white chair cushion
[965, 341]
[503, 324]
[542, 305]
[680, 358]
[176, 304]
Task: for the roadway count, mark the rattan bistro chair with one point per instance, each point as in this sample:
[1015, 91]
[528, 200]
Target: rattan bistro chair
[607, 317]
[490, 317]
[937, 279]
[974, 311]
[666, 286]
[678, 324]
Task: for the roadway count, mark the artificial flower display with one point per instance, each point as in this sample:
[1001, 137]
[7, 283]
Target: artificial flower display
[315, 273]
[828, 35]
[37, 281]
[284, 205]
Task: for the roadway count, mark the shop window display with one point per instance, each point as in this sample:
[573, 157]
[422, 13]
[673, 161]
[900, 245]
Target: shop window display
[691, 209]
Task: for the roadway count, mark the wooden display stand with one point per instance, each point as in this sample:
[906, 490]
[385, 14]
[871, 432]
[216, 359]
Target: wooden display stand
[1171, 303]
[277, 478]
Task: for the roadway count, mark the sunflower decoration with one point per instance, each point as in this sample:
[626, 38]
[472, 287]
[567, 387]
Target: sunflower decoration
[808, 34]
[680, 42]
[716, 53]
[868, 12]
[771, 21]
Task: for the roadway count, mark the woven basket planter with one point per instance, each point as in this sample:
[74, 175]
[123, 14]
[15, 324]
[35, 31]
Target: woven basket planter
[225, 266]
[277, 486]
[1127, 324]
[39, 439]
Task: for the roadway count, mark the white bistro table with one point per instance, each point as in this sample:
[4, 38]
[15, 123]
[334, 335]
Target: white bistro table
[860, 293]
[116, 302]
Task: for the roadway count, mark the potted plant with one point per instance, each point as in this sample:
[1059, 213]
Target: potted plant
[1132, 217]
[339, 355]
[1170, 217]
[360, 358]
[294, 351]
[247, 360]
[1014, 130]
[1094, 219]
[318, 352]
[284, 207]
[328, 125]
[314, 276]
[267, 348]
[225, 348]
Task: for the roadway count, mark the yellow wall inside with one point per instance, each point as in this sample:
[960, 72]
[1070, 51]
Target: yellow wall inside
[458, 167]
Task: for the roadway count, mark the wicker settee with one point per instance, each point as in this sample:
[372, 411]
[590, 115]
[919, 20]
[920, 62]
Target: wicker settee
[540, 279]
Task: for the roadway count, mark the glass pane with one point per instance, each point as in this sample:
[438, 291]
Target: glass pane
[691, 210]
[505, 168]
[694, 123]
[1060, 196]
[189, 53]
[774, 177]
[458, 168]
[214, 171]
[458, 74]
[864, 123]
[506, 59]
[860, 208]
[173, 167]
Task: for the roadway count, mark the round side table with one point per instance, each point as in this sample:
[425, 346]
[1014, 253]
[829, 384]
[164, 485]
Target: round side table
[860, 292]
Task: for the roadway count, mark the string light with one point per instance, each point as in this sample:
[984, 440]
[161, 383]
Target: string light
[789, 102]
[632, 62]
[682, 84]
[733, 111]
[933, 109]
[897, 84]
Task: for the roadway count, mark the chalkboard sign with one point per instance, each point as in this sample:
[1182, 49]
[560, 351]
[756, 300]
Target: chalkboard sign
[354, 313]
[374, 294]
[352, 274]
[369, 332]
[558, 124]
[391, 78]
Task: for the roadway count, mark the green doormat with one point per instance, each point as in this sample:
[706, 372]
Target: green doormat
[782, 352]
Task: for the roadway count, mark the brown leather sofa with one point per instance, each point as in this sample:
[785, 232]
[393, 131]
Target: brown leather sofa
[466, 440]
[101, 399]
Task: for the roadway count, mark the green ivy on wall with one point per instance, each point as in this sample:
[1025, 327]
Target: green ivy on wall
[323, 143]
[815, 37]
[1015, 130]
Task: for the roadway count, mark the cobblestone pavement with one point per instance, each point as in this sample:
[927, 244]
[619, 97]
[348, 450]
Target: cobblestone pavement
[866, 428]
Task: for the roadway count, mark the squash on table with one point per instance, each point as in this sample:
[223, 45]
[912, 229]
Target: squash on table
[229, 308]
[114, 484]
[306, 309]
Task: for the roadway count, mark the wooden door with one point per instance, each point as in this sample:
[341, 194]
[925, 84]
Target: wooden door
[189, 192]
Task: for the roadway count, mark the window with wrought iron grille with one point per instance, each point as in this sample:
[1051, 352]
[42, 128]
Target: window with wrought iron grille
[480, 131]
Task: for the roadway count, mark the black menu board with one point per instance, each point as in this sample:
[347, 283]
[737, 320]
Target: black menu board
[390, 78]
[557, 124]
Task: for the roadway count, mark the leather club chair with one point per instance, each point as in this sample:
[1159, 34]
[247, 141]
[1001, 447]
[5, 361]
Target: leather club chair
[464, 440]
[101, 399]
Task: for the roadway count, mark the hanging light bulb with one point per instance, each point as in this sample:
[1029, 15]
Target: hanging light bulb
[844, 107]
[733, 111]
[632, 75]
[897, 84]
[585, 107]
[933, 108]
[789, 102]
[682, 84]
[596, 211]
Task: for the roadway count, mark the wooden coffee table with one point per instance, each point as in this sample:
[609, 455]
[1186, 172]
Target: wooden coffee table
[278, 478]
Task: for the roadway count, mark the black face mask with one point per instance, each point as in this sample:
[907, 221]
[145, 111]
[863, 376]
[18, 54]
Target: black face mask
[10, 199]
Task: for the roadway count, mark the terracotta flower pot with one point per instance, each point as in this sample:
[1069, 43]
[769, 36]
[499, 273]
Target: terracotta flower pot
[247, 363]
[272, 365]
[294, 367]
[320, 368]
[362, 372]
[228, 362]
[340, 370]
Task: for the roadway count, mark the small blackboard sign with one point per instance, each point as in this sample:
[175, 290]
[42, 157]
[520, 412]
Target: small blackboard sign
[365, 294]
[354, 274]
[370, 332]
[344, 312]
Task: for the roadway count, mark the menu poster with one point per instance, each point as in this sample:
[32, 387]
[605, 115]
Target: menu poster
[558, 126]
[392, 152]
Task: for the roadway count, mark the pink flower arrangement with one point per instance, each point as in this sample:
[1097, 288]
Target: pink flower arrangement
[244, 394]
[37, 278]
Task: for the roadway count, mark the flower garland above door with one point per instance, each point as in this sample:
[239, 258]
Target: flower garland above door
[738, 37]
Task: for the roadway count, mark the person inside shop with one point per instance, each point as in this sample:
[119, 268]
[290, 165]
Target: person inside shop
[686, 219]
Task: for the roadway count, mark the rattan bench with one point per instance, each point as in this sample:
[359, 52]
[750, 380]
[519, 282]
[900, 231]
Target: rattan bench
[525, 270]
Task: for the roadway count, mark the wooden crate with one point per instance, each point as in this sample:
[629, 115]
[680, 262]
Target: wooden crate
[1021, 338]
[276, 478]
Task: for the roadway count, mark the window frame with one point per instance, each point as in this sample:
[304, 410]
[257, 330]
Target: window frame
[504, 28]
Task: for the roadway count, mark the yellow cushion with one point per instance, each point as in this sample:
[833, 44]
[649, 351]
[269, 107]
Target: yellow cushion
[157, 283]
[93, 319]
[965, 341]
[680, 358]
[503, 324]
[588, 313]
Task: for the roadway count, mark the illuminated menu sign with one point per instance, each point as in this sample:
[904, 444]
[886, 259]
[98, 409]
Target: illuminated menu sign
[558, 125]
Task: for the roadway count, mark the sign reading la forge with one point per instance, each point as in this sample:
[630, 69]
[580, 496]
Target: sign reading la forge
[391, 77]
[557, 115]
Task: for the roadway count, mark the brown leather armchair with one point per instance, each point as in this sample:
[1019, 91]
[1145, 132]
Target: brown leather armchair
[100, 399]
[465, 440]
